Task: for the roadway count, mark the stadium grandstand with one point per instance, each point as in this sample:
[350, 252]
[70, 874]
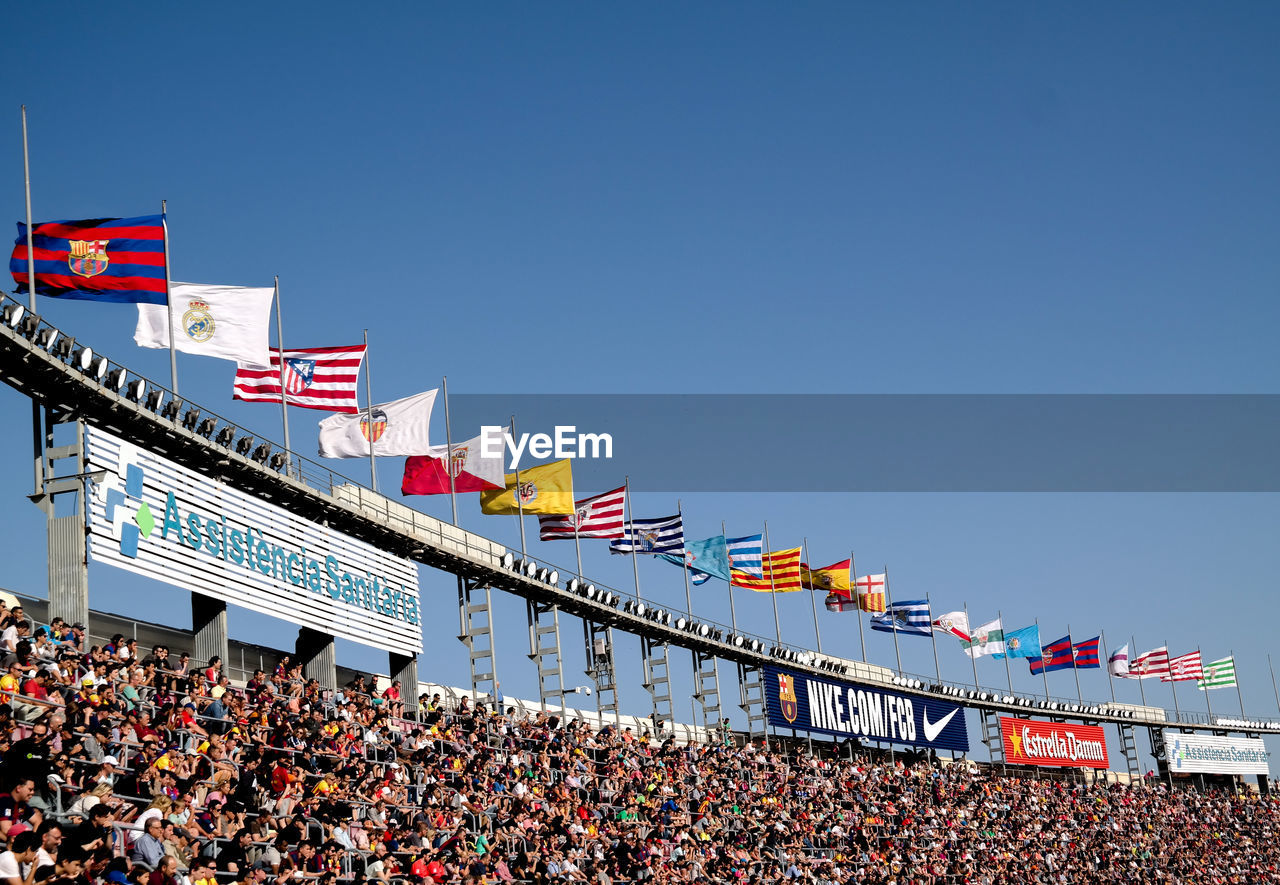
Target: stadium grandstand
[127, 761]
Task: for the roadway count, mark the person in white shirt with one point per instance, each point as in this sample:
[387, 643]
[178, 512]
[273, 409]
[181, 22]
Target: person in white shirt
[17, 864]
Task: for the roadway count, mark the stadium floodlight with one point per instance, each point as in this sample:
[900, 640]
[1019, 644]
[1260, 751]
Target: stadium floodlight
[244, 445]
[13, 314]
[153, 398]
[171, 409]
[278, 461]
[756, 645]
[508, 560]
[704, 630]
[590, 592]
[529, 568]
[117, 379]
[573, 585]
[682, 623]
[554, 578]
[66, 345]
[543, 574]
[136, 389]
[46, 337]
[262, 452]
[83, 359]
[737, 641]
[30, 325]
[99, 370]
[191, 418]
[225, 436]
[206, 427]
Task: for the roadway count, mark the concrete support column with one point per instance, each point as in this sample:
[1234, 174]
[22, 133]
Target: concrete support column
[405, 668]
[209, 623]
[315, 651]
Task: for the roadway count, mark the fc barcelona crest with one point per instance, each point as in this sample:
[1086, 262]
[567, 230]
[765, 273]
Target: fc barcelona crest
[88, 258]
[373, 426]
[457, 461]
[787, 697]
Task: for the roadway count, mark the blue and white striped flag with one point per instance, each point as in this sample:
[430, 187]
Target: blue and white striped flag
[908, 616]
[746, 555]
[664, 535]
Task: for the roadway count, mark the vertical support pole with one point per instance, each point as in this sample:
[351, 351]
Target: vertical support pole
[1111, 683]
[168, 299]
[813, 600]
[368, 394]
[893, 619]
[448, 443]
[284, 397]
[773, 587]
[1008, 672]
[857, 598]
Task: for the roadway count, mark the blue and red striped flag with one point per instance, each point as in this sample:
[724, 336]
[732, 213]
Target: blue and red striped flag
[98, 259]
[1055, 656]
[1086, 654]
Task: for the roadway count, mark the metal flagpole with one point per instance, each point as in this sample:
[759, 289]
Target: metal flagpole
[448, 445]
[893, 619]
[1008, 673]
[631, 531]
[933, 635]
[577, 544]
[1173, 686]
[1110, 679]
[1142, 692]
[31, 255]
[1074, 669]
[773, 592]
[1044, 665]
[284, 406]
[733, 613]
[688, 594]
[813, 601]
[368, 395]
[1207, 703]
[1273, 681]
[1236, 676]
[972, 660]
[853, 572]
[168, 300]
[519, 500]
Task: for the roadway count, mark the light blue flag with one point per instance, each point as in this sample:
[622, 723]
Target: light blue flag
[704, 559]
[1024, 643]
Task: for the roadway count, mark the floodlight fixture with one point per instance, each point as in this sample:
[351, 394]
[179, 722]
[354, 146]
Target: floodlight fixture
[191, 418]
[171, 409]
[278, 461]
[206, 427]
[83, 359]
[508, 560]
[154, 397]
[136, 389]
[226, 435]
[66, 345]
[46, 337]
[262, 452]
[13, 314]
[244, 445]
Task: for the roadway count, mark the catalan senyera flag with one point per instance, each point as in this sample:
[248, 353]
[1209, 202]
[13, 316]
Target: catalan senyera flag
[780, 574]
[547, 488]
[831, 578]
[96, 259]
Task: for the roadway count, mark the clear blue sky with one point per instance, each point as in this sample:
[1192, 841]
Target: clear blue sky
[736, 198]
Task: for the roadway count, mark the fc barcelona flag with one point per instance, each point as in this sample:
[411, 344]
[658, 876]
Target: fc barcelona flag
[97, 259]
[1057, 655]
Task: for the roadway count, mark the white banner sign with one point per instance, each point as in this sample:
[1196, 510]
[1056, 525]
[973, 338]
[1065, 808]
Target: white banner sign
[159, 519]
[1211, 754]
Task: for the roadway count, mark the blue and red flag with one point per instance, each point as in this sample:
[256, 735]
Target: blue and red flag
[98, 259]
[1086, 654]
[1054, 656]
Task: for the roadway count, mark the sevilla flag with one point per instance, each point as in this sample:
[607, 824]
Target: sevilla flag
[429, 474]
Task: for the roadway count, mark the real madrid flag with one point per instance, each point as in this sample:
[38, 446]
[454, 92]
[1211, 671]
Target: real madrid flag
[394, 428]
[547, 488]
[228, 322]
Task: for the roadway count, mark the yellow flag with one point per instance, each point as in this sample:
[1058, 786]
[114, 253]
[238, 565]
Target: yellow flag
[547, 488]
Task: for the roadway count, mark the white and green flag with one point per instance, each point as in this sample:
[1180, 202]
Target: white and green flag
[1218, 674]
[985, 640]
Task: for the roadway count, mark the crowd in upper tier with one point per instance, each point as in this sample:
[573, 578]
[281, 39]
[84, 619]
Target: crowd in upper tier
[122, 768]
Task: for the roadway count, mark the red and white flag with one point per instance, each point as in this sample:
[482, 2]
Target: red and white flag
[870, 592]
[1184, 668]
[429, 474]
[599, 516]
[1150, 664]
[314, 378]
[838, 602]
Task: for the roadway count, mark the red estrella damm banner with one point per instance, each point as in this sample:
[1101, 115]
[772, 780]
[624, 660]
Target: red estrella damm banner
[1063, 744]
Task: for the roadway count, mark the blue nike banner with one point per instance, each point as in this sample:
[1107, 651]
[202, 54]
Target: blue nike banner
[807, 703]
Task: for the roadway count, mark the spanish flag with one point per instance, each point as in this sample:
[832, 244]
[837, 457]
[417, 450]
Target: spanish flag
[781, 574]
[831, 578]
[547, 488]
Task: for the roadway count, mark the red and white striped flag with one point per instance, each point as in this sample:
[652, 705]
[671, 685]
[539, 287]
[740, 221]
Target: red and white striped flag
[599, 516]
[314, 378]
[1184, 668]
[1150, 664]
[870, 592]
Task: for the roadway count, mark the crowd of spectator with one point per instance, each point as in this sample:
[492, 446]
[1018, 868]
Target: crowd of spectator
[120, 768]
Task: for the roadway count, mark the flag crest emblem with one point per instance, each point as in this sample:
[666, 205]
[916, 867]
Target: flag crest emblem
[88, 258]
[197, 322]
[457, 461]
[787, 697]
[373, 426]
[527, 492]
[298, 375]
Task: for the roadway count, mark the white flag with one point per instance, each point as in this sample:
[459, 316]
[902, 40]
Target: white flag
[396, 428]
[1118, 663]
[228, 322]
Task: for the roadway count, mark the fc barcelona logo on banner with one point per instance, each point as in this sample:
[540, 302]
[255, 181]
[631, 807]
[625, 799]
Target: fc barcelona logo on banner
[787, 697]
[373, 426]
[88, 258]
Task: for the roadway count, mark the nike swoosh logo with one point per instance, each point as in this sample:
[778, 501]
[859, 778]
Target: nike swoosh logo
[931, 731]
